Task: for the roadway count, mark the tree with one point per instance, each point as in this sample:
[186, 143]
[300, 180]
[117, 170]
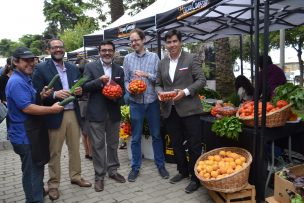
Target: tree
[294, 38]
[7, 47]
[224, 72]
[117, 9]
[34, 42]
[137, 5]
[65, 13]
[73, 38]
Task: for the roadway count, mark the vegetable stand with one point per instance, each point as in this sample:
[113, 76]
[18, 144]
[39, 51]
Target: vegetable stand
[246, 140]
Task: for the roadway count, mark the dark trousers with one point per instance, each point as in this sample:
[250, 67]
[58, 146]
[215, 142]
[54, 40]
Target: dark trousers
[32, 174]
[185, 129]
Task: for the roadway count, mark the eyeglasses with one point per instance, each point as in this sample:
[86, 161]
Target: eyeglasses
[134, 40]
[107, 50]
[57, 47]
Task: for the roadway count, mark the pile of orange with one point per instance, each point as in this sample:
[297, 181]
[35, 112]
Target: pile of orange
[220, 165]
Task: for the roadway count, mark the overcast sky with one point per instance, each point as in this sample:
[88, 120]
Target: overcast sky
[20, 17]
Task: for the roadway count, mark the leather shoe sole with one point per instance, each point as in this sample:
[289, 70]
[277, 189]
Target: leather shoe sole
[53, 194]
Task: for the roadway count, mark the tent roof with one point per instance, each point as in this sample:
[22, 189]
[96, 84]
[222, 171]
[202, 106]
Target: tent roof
[229, 17]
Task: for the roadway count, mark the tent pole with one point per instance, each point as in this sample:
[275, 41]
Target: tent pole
[159, 44]
[265, 93]
[241, 54]
[257, 176]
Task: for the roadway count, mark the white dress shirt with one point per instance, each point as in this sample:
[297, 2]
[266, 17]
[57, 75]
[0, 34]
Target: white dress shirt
[107, 68]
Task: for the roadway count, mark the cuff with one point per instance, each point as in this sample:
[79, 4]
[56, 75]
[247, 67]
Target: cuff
[54, 95]
[186, 91]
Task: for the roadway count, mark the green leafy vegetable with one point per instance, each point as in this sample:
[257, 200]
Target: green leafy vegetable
[229, 127]
[80, 82]
[209, 93]
[206, 107]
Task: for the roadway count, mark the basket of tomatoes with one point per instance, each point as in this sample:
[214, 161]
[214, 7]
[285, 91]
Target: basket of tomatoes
[276, 115]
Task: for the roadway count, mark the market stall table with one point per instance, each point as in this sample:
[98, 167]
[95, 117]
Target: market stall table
[246, 140]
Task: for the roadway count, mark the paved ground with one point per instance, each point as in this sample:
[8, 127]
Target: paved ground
[149, 188]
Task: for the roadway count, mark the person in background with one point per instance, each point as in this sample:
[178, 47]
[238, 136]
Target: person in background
[6, 74]
[21, 102]
[275, 77]
[143, 64]
[63, 126]
[244, 88]
[181, 71]
[84, 124]
[104, 114]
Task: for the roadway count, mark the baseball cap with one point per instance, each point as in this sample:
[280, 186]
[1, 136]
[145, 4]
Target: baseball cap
[23, 52]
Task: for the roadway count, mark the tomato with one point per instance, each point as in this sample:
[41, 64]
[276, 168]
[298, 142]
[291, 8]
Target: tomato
[281, 103]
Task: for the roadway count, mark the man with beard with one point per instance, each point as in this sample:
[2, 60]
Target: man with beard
[104, 114]
[64, 126]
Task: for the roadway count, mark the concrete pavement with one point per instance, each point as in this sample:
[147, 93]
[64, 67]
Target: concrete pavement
[148, 188]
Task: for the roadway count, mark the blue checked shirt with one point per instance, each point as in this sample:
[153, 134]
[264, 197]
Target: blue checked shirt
[147, 62]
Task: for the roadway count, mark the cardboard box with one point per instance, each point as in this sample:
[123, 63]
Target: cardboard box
[280, 184]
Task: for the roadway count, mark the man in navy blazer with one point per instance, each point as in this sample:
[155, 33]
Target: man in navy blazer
[64, 126]
[104, 114]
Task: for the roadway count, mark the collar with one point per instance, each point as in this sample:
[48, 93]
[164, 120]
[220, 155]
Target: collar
[175, 60]
[141, 55]
[59, 65]
[105, 65]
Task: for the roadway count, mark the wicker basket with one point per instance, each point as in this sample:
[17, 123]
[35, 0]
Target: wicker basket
[273, 119]
[231, 183]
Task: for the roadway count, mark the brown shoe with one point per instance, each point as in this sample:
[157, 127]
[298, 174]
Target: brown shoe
[82, 183]
[53, 193]
[118, 178]
[99, 185]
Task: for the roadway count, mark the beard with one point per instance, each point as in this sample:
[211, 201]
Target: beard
[57, 59]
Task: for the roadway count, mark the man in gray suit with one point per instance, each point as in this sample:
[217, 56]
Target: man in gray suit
[181, 71]
[104, 114]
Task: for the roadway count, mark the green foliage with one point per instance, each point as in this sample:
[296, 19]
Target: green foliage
[73, 38]
[209, 93]
[135, 6]
[33, 42]
[229, 127]
[65, 13]
[292, 37]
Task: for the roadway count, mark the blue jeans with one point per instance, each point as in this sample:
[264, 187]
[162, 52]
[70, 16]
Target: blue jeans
[137, 114]
[32, 174]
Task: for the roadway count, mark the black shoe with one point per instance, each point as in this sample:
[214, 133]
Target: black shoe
[177, 178]
[88, 157]
[133, 175]
[192, 187]
[163, 172]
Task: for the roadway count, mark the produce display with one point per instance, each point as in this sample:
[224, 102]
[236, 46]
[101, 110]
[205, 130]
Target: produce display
[206, 107]
[112, 91]
[167, 96]
[229, 127]
[125, 130]
[137, 86]
[221, 110]
[221, 165]
[247, 109]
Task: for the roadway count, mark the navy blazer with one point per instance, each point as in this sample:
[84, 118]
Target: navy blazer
[43, 74]
[98, 105]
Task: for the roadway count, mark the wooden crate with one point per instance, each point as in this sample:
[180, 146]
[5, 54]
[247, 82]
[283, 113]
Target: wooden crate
[271, 200]
[247, 195]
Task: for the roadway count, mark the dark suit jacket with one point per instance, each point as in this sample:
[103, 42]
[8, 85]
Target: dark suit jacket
[188, 74]
[98, 104]
[42, 75]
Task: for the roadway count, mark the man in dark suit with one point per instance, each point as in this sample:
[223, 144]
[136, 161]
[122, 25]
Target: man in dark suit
[104, 114]
[64, 126]
[181, 71]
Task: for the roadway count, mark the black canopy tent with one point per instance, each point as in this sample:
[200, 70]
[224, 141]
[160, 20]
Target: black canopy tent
[92, 40]
[237, 17]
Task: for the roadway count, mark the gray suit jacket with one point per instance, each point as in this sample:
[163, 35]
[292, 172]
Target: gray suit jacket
[188, 74]
[98, 105]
